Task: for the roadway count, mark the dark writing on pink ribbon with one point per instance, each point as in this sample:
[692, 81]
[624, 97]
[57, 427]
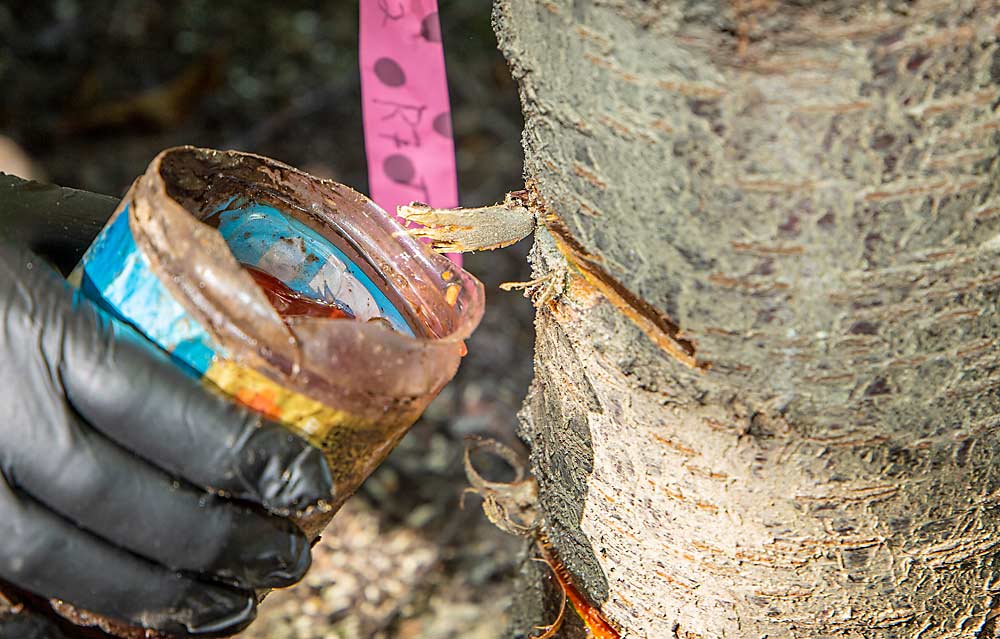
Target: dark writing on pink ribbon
[407, 118]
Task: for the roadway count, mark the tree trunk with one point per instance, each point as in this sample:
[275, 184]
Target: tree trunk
[766, 398]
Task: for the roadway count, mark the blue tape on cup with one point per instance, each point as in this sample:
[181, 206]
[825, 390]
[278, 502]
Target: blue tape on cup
[116, 275]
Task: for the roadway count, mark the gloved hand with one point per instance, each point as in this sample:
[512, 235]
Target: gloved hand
[112, 463]
[56, 222]
[22, 625]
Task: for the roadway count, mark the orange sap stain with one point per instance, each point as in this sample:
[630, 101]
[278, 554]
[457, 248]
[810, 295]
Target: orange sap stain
[599, 628]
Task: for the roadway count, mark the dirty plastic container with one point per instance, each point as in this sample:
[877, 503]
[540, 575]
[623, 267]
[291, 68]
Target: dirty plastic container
[172, 263]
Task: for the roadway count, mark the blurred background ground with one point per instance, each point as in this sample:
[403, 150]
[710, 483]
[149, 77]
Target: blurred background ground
[93, 89]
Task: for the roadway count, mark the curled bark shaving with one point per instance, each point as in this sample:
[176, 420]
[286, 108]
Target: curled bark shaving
[474, 229]
[510, 506]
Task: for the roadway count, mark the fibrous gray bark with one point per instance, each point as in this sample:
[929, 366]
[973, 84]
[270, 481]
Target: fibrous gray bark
[766, 394]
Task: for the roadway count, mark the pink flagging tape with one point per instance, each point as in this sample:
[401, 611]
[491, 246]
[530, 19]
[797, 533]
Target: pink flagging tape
[404, 94]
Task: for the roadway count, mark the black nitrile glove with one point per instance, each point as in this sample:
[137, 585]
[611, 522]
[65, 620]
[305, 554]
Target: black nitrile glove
[21, 625]
[111, 459]
[56, 222]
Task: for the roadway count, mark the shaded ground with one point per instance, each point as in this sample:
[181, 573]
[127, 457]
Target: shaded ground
[94, 88]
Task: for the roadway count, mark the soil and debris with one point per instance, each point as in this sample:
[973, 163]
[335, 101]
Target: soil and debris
[93, 89]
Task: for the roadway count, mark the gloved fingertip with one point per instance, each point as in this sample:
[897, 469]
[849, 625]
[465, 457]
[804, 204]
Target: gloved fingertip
[305, 481]
[214, 611]
[263, 551]
[293, 567]
[23, 625]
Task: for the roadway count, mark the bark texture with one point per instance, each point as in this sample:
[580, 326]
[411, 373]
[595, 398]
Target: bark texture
[766, 394]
